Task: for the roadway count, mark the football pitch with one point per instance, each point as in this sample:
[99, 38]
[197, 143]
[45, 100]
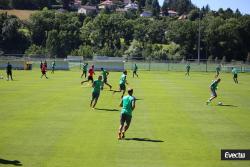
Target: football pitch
[48, 122]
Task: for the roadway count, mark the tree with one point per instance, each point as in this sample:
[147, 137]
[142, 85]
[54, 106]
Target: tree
[53, 43]
[66, 3]
[35, 50]
[164, 8]
[155, 8]
[194, 14]
[12, 40]
[4, 4]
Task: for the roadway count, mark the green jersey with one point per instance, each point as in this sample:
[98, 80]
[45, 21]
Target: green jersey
[104, 74]
[53, 65]
[97, 86]
[234, 71]
[218, 68]
[135, 67]
[214, 85]
[188, 67]
[123, 79]
[85, 67]
[127, 102]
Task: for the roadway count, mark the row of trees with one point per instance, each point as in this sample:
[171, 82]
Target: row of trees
[61, 34]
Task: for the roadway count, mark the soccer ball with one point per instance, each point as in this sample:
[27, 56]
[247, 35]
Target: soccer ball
[220, 103]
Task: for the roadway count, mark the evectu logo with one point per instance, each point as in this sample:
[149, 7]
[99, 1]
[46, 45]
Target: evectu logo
[235, 154]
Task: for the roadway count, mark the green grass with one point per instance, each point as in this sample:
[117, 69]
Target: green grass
[48, 123]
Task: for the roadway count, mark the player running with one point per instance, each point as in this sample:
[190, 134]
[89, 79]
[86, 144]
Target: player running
[97, 85]
[123, 82]
[90, 77]
[218, 68]
[128, 105]
[9, 71]
[44, 70]
[187, 69]
[84, 70]
[213, 88]
[135, 71]
[235, 75]
[105, 78]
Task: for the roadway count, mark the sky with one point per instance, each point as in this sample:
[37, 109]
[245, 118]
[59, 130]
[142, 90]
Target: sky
[242, 5]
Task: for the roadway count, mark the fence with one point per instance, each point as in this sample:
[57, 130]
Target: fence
[27, 63]
[147, 65]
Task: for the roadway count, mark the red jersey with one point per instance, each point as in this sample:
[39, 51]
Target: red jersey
[44, 68]
[91, 72]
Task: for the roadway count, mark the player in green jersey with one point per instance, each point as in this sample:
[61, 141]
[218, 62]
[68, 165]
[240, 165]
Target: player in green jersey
[97, 85]
[84, 70]
[122, 83]
[213, 87]
[218, 68]
[135, 71]
[53, 66]
[128, 105]
[235, 75]
[187, 69]
[105, 78]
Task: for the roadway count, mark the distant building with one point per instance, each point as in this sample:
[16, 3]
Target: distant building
[131, 6]
[183, 17]
[120, 10]
[172, 13]
[106, 4]
[146, 14]
[87, 9]
[126, 1]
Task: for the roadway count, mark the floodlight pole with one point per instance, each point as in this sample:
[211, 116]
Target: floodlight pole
[199, 37]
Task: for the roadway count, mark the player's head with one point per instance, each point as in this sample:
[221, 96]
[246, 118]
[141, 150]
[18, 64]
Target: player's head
[130, 91]
[87, 64]
[8, 63]
[102, 69]
[218, 80]
[99, 77]
[93, 66]
[125, 72]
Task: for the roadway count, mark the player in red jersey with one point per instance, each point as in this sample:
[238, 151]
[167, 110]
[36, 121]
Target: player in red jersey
[44, 70]
[90, 76]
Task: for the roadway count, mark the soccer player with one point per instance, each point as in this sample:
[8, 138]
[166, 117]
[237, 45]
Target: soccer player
[90, 77]
[84, 70]
[44, 70]
[123, 82]
[135, 71]
[128, 105]
[213, 88]
[217, 71]
[97, 85]
[187, 69]
[9, 71]
[53, 65]
[235, 75]
[105, 78]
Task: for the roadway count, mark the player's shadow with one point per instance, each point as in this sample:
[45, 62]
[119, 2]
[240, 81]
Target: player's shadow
[10, 162]
[105, 109]
[227, 105]
[144, 139]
